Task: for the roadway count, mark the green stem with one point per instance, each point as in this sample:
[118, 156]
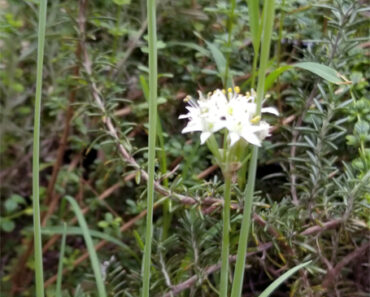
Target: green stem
[254, 68]
[281, 25]
[278, 48]
[245, 227]
[151, 15]
[227, 81]
[39, 274]
[167, 216]
[268, 19]
[225, 234]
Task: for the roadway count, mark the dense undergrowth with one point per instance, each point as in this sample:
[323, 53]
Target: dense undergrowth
[312, 190]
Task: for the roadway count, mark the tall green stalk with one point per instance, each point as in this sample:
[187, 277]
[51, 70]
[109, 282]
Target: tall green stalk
[151, 15]
[39, 274]
[225, 233]
[255, 29]
[230, 24]
[268, 19]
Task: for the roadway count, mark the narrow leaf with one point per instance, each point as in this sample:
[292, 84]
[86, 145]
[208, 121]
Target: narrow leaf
[323, 71]
[220, 61]
[282, 279]
[253, 13]
[97, 234]
[95, 264]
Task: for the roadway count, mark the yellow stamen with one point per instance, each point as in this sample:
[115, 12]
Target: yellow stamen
[237, 90]
[223, 91]
[256, 119]
[187, 99]
[229, 90]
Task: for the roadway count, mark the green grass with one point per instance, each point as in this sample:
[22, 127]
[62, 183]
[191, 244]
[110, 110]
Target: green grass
[151, 15]
[39, 274]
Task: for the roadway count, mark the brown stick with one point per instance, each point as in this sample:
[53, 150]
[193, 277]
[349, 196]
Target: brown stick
[328, 225]
[332, 275]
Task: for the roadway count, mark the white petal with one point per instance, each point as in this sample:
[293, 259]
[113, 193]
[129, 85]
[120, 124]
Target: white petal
[184, 116]
[272, 110]
[234, 137]
[191, 127]
[251, 138]
[204, 136]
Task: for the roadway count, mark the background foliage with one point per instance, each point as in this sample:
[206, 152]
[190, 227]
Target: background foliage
[312, 199]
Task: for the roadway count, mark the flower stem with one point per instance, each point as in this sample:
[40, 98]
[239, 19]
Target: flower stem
[268, 19]
[230, 23]
[39, 274]
[225, 234]
[151, 15]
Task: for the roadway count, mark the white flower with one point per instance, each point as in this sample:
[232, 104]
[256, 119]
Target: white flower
[235, 112]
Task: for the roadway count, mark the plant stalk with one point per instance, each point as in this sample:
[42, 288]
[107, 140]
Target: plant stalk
[230, 23]
[39, 274]
[151, 15]
[268, 19]
[225, 234]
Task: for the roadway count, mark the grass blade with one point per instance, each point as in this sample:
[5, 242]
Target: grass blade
[153, 76]
[95, 264]
[271, 288]
[58, 290]
[78, 231]
[39, 273]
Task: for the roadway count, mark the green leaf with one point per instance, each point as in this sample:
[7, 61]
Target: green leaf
[362, 129]
[17, 198]
[253, 13]
[10, 205]
[273, 75]
[271, 288]
[323, 71]
[351, 140]
[220, 61]
[190, 45]
[95, 264]
[122, 2]
[7, 225]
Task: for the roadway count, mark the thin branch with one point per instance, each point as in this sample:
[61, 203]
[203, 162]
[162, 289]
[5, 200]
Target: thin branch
[319, 228]
[332, 275]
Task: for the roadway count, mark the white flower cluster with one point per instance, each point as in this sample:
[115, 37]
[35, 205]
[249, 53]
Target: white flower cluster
[232, 111]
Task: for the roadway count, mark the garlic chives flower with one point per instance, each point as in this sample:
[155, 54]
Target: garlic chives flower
[227, 110]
